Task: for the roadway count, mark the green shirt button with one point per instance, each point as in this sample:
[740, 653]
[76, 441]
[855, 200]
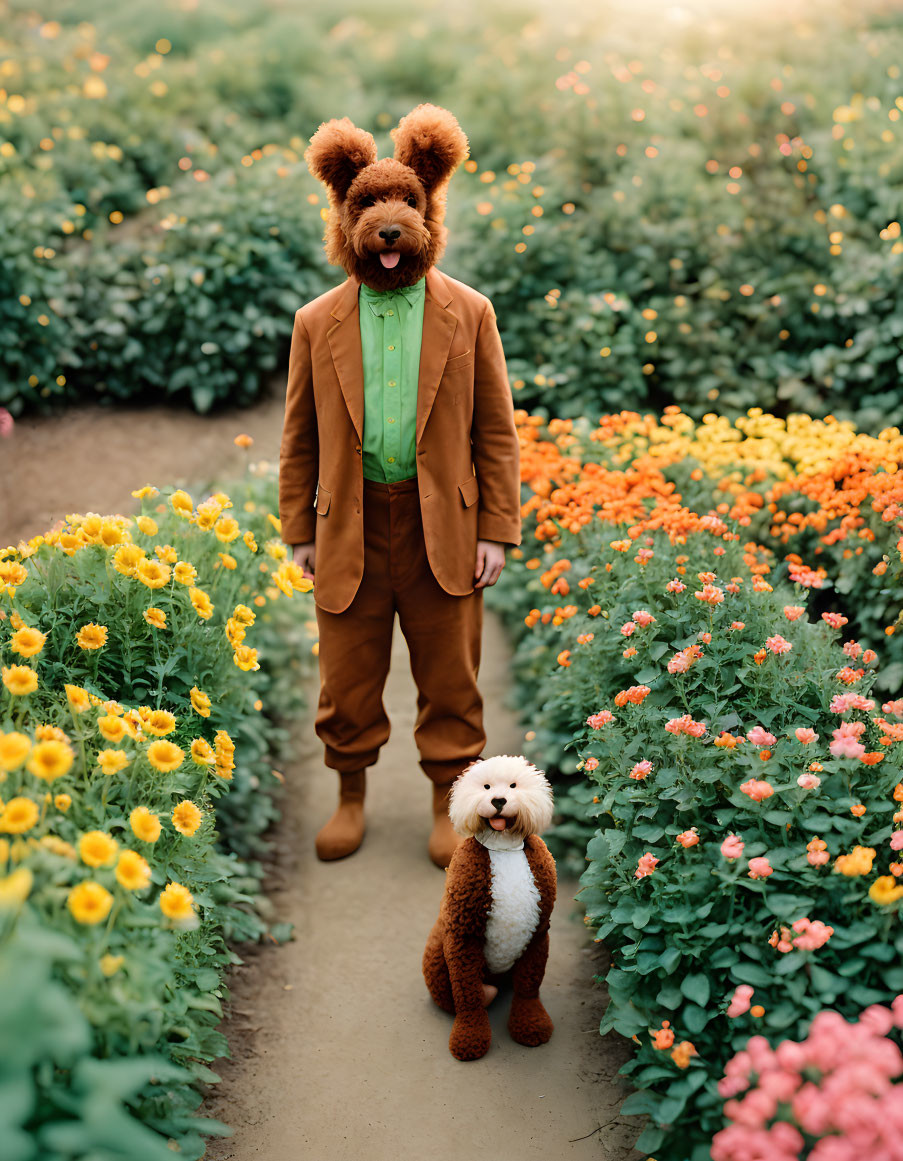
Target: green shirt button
[391, 420]
[391, 459]
[391, 346]
[390, 312]
[391, 382]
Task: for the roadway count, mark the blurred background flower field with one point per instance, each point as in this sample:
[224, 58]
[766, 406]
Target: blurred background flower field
[687, 217]
[690, 202]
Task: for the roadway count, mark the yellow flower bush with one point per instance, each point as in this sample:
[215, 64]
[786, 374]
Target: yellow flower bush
[108, 776]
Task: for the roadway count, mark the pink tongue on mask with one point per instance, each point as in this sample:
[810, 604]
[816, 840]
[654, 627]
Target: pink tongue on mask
[390, 259]
[497, 823]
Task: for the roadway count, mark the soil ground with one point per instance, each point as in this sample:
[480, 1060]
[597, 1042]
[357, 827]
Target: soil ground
[337, 1051]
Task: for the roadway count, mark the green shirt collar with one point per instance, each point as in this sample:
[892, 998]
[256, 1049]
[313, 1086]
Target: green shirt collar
[379, 300]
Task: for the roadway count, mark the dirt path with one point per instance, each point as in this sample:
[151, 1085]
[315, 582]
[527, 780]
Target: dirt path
[91, 458]
[338, 1053]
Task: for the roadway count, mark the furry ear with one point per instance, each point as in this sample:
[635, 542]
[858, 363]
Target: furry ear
[430, 141]
[338, 151]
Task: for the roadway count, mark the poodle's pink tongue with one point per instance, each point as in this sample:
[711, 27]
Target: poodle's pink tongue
[390, 259]
[497, 823]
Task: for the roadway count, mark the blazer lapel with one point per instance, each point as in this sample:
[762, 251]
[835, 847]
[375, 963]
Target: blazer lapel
[345, 344]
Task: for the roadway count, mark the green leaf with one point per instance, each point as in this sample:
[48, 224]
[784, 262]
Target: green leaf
[696, 988]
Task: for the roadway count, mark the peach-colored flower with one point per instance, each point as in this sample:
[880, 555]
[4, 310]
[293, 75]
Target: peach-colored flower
[757, 790]
[740, 1000]
[778, 644]
[645, 865]
[732, 847]
[805, 735]
[760, 868]
[689, 838]
[663, 1037]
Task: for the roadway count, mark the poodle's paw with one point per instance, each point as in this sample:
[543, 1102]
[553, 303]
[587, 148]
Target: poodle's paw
[529, 1023]
[470, 1036]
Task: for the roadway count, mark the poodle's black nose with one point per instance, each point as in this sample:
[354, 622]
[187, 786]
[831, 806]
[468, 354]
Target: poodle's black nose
[390, 236]
[498, 803]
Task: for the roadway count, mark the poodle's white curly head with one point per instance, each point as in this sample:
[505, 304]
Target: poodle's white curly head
[503, 793]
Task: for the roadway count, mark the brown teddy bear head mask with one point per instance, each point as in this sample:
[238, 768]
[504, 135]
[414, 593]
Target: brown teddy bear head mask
[386, 217]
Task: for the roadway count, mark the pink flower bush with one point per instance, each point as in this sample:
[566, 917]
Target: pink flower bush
[760, 868]
[778, 644]
[643, 617]
[839, 1086]
[805, 735]
[896, 841]
[675, 586]
[628, 628]
[894, 707]
[835, 620]
[689, 838]
[793, 612]
[685, 725]
[646, 865]
[732, 847]
[641, 770]
[590, 763]
[809, 781]
[757, 790]
[738, 624]
[852, 649]
[760, 737]
[711, 594]
[600, 719]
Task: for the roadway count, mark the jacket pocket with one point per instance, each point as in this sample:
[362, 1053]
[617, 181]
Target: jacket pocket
[465, 359]
[469, 490]
[323, 498]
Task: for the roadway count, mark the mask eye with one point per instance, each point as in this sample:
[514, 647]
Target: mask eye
[514, 786]
[486, 787]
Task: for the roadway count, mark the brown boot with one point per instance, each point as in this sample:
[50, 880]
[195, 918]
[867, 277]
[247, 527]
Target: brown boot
[343, 833]
[444, 840]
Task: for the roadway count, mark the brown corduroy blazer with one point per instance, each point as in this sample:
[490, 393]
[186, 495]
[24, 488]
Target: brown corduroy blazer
[468, 455]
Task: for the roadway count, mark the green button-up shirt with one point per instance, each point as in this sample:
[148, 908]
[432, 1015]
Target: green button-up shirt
[391, 336]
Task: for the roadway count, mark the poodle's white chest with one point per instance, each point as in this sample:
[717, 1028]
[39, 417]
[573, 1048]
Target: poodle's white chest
[514, 914]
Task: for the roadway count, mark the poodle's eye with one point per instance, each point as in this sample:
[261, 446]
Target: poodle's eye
[411, 200]
[514, 786]
[367, 200]
[486, 787]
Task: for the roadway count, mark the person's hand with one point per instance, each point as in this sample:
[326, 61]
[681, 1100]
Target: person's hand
[490, 562]
[303, 556]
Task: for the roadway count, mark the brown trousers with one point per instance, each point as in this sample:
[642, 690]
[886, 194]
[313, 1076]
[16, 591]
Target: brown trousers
[443, 634]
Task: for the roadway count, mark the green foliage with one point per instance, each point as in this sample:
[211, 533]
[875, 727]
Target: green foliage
[713, 206]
